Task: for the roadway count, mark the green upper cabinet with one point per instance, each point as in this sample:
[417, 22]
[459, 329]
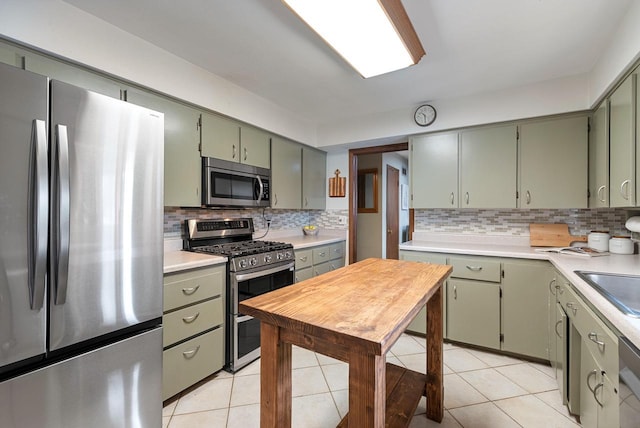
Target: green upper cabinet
[314, 181]
[488, 160]
[433, 166]
[286, 174]
[553, 163]
[622, 144]
[227, 139]
[182, 164]
[10, 55]
[599, 157]
[71, 74]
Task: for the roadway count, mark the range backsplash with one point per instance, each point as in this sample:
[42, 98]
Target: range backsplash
[515, 222]
[280, 219]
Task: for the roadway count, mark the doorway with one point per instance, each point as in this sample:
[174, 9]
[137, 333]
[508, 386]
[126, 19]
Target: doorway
[353, 191]
[393, 212]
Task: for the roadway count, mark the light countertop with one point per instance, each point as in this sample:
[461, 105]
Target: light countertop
[518, 247]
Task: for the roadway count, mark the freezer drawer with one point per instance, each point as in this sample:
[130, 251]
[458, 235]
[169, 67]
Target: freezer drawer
[116, 386]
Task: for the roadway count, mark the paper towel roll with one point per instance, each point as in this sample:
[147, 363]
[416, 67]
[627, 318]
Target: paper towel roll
[633, 224]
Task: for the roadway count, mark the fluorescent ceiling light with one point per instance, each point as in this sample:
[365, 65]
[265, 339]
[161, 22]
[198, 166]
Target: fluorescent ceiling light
[374, 36]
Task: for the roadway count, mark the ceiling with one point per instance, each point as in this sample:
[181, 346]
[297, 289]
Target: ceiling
[261, 46]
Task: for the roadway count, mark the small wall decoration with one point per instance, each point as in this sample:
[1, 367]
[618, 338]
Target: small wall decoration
[337, 186]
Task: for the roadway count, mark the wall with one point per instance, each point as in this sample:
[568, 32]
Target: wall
[515, 222]
[369, 231]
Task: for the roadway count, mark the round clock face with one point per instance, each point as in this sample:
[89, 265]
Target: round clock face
[425, 115]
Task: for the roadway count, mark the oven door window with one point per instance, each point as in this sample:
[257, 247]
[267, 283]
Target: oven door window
[261, 285]
[248, 336]
[231, 186]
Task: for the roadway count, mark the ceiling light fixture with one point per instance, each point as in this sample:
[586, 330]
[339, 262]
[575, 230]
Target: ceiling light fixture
[374, 36]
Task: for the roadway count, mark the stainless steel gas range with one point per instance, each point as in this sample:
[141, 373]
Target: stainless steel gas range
[253, 268]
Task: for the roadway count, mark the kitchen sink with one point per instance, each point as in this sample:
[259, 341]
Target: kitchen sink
[623, 291]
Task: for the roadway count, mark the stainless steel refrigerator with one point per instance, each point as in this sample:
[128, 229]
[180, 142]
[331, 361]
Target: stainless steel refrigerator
[81, 218]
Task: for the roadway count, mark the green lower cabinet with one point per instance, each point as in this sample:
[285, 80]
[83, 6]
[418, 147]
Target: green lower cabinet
[599, 402]
[525, 307]
[473, 312]
[419, 323]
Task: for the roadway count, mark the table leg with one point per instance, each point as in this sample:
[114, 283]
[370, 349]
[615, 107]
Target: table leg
[435, 385]
[275, 378]
[367, 393]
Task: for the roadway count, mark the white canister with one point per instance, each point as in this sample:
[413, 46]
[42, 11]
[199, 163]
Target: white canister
[598, 240]
[621, 245]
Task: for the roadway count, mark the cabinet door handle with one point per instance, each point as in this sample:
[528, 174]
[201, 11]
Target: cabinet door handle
[466, 197]
[594, 338]
[189, 291]
[556, 329]
[595, 393]
[191, 353]
[591, 374]
[245, 153]
[474, 268]
[571, 305]
[601, 190]
[625, 192]
[192, 318]
[553, 281]
[560, 289]
[528, 197]
[306, 202]
[233, 155]
[455, 292]
[275, 199]
[451, 198]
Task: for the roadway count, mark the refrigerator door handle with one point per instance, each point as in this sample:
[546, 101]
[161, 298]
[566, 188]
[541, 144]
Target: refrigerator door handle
[61, 214]
[38, 213]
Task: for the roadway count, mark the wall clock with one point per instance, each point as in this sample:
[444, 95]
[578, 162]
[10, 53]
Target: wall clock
[425, 115]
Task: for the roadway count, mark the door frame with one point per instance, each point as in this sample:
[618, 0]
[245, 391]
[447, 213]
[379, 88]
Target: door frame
[389, 202]
[353, 191]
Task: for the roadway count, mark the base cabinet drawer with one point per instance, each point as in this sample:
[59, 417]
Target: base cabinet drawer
[185, 288]
[477, 268]
[192, 361]
[189, 321]
[321, 268]
[302, 274]
[304, 258]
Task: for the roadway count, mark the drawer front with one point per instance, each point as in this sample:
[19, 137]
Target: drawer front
[336, 264]
[321, 268]
[189, 321]
[304, 258]
[321, 254]
[598, 338]
[302, 274]
[475, 268]
[187, 363]
[336, 251]
[419, 256]
[185, 288]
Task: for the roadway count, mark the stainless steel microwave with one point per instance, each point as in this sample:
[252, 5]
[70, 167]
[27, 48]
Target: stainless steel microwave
[234, 184]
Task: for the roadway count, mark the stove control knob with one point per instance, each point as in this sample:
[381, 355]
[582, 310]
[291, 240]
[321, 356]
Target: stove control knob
[268, 258]
[243, 263]
[253, 261]
[288, 254]
[280, 256]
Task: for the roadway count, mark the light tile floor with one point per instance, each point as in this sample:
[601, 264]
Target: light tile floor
[482, 389]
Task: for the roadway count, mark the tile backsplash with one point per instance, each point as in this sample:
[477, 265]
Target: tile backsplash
[280, 219]
[515, 222]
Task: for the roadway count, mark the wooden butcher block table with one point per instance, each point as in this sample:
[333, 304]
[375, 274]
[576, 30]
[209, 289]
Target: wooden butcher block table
[354, 314]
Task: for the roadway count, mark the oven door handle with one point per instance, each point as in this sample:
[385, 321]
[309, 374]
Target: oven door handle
[247, 276]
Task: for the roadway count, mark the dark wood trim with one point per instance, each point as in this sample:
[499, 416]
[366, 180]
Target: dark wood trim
[353, 190]
[412, 220]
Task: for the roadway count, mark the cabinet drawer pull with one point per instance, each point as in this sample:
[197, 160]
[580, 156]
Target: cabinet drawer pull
[595, 393]
[303, 258]
[191, 353]
[592, 373]
[322, 254]
[192, 318]
[594, 338]
[474, 268]
[601, 190]
[556, 328]
[623, 192]
[572, 306]
[189, 291]
[553, 281]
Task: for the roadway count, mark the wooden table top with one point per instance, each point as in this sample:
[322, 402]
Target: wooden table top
[365, 305]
